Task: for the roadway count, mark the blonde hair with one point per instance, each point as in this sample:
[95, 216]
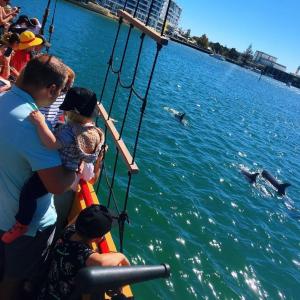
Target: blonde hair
[76, 118]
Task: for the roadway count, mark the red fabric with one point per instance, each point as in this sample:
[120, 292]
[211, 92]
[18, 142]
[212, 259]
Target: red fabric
[85, 192]
[20, 59]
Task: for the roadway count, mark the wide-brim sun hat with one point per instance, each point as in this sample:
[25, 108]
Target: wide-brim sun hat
[89, 139]
[28, 39]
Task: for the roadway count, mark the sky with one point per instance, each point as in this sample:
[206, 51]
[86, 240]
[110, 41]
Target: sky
[271, 26]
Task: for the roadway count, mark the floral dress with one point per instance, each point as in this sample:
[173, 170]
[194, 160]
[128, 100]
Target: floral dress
[68, 258]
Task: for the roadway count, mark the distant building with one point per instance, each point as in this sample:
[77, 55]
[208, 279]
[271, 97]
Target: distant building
[267, 60]
[173, 16]
[157, 13]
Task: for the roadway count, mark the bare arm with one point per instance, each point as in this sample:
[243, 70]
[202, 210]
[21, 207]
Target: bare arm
[107, 260]
[98, 165]
[56, 180]
[14, 72]
[13, 12]
[5, 18]
[47, 137]
[5, 72]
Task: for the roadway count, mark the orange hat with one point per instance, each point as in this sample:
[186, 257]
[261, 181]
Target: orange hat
[28, 39]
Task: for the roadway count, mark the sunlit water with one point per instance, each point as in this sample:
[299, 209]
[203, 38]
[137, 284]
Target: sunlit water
[190, 206]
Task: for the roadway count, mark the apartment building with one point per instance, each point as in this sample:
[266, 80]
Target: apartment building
[157, 15]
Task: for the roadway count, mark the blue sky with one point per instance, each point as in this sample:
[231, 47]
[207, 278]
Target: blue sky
[272, 26]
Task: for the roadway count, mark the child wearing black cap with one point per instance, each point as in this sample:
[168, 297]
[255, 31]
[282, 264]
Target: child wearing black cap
[72, 252]
[80, 144]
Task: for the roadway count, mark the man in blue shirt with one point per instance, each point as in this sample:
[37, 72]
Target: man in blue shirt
[21, 153]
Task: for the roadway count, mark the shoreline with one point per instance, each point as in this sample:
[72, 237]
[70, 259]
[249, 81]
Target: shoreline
[287, 78]
[94, 8]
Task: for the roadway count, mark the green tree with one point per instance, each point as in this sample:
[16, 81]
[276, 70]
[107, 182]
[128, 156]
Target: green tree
[216, 47]
[202, 41]
[233, 54]
[188, 34]
[247, 55]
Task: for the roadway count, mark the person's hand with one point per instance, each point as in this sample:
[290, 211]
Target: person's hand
[103, 150]
[37, 117]
[6, 60]
[125, 261]
[15, 12]
[80, 168]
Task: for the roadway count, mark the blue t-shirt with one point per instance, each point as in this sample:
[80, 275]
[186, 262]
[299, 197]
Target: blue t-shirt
[21, 152]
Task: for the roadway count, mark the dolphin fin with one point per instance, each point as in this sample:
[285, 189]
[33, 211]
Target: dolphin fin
[282, 187]
[253, 177]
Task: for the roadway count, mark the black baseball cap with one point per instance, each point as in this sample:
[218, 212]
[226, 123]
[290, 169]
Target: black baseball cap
[80, 100]
[94, 221]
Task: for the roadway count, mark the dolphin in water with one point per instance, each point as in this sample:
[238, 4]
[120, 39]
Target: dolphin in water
[251, 177]
[279, 186]
[179, 116]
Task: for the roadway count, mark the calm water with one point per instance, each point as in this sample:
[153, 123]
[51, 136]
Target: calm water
[190, 206]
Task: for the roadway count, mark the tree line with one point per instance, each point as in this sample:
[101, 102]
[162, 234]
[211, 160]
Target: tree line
[231, 53]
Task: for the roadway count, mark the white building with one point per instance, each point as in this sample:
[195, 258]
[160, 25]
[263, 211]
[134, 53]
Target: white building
[173, 15]
[268, 60]
[157, 12]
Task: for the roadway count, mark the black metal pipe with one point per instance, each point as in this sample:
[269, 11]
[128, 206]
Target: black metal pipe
[97, 280]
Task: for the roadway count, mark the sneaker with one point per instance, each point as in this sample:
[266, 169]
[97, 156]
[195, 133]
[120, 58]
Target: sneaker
[16, 231]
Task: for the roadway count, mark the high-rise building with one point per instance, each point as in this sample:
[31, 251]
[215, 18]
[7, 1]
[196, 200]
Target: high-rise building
[173, 15]
[157, 12]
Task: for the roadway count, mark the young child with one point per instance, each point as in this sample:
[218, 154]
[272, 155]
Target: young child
[79, 143]
[73, 252]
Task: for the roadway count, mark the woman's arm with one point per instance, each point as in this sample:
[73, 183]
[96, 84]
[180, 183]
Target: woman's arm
[5, 72]
[5, 18]
[45, 134]
[14, 11]
[107, 260]
[14, 72]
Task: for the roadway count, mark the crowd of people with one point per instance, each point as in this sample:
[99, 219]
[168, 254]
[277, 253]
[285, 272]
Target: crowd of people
[42, 156]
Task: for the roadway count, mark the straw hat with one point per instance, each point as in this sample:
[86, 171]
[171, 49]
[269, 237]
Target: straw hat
[28, 39]
[89, 139]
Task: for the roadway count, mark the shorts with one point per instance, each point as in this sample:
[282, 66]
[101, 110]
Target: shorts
[26, 257]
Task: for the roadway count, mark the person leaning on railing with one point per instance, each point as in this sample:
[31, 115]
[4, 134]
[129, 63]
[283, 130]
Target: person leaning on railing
[22, 153]
[22, 55]
[73, 252]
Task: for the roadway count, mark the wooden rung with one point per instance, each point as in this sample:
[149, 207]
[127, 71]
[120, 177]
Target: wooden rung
[132, 168]
[141, 26]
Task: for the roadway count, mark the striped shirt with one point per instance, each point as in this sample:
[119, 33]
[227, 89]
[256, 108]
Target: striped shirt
[52, 112]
